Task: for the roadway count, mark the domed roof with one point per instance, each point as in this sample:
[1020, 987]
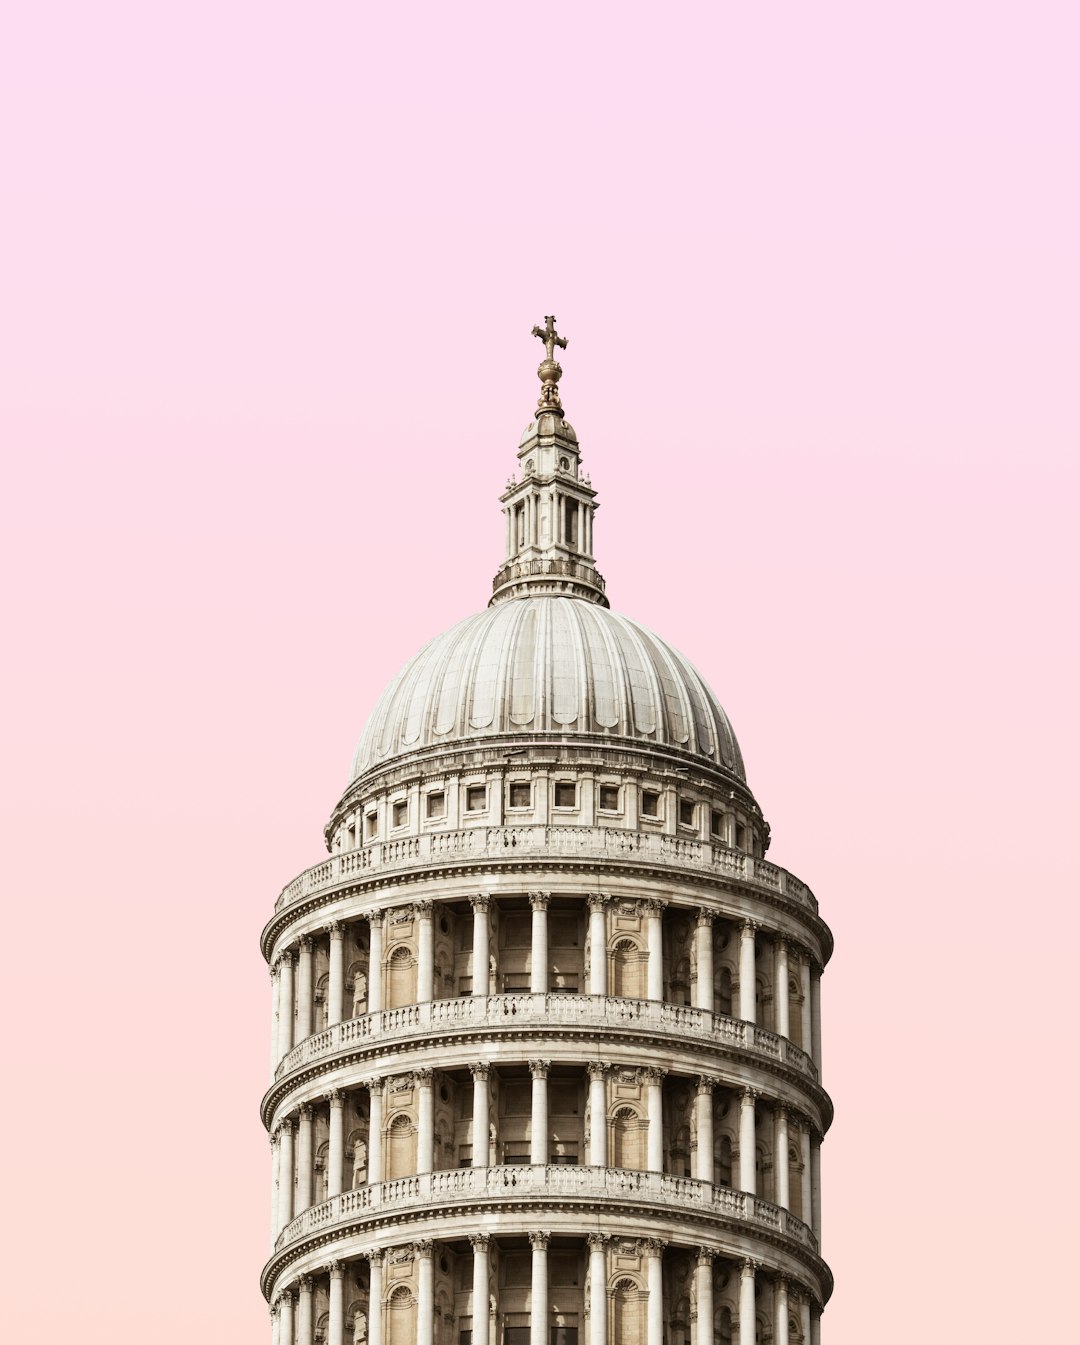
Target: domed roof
[547, 664]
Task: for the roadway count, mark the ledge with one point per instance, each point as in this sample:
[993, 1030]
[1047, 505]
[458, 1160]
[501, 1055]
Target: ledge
[451, 1192]
[471, 1013]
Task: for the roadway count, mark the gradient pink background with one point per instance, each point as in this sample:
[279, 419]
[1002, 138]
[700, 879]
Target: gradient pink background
[267, 283]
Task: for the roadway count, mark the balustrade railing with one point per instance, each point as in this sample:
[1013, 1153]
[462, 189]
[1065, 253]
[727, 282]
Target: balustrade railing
[492, 1184]
[585, 842]
[494, 1011]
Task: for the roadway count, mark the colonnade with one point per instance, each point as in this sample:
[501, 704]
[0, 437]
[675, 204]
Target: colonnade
[294, 1156]
[293, 1308]
[293, 1017]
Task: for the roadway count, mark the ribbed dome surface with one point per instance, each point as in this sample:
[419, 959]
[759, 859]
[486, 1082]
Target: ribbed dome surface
[547, 665]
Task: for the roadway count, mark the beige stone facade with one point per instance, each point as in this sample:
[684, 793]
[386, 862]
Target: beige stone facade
[546, 1057]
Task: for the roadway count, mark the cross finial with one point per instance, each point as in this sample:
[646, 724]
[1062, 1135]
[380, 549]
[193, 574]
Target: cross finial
[550, 337]
[550, 370]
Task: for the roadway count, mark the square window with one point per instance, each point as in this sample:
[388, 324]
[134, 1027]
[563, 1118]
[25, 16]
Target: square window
[476, 798]
[716, 823]
[517, 1158]
[520, 794]
[650, 803]
[686, 812]
[371, 825]
[401, 813]
[436, 804]
[740, 837]
[565, 794]
[609, 798]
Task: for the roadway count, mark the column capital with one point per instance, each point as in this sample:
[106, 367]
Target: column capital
[598, 1069]
[539, 1240]
[285, 956]
[336, 1097]
[375, 1256]
[423, 909]
[781, 944]
[597, 1241]
[705, 1256]
[597, 901]
[279, 1301]
[748, 927]
[539, 1069]
[275, 970]
[423, 1077]
[307, 1111]
[480, 901]
[480, 1070]
[780, 1283]
[539, 900]
[705, 917]
[706, 1083]
[374, 918]
[651, 906]
[748, 1096]
[306, 1284]
[373, 1085]
[781, 1112]
[307, 943]
[275, 1138]
[652, 1075]
[480, 1242]
[286, 1123]
[422, 1247]
[336, 1269]
[652, 1246]
[336, 929]
[748, 1267]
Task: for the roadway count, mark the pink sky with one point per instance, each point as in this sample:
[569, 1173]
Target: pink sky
[265, 297]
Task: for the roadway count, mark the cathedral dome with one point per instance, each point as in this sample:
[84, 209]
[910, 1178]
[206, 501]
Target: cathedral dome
[545, 665]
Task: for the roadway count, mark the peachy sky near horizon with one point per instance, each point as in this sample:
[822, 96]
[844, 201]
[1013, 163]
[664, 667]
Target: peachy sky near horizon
[267, 284]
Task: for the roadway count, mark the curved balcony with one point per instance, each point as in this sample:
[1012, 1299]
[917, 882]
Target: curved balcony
[453, 1190]
[489, 1014]
[606, 845]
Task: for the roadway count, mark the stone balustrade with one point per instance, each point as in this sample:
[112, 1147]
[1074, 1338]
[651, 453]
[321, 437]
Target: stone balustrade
[604, 844]
[617, 1186]
[491, 1012]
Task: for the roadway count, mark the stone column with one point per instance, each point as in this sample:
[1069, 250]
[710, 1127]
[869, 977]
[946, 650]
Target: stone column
[305, 999]
[654, 926]
[780, 1160]
[375, 962]
[703, 986]
[654, 1278]
[375, 1127]
[703, 1158]
[598, 1332]
[286, 1175]
[598, 1113]
[481, 944]
[747, 1144]
[780, 1311]
[275, 1179]
[275, 1010]
[747, 1305]
[481, 1111]
[305, 1325]
[375, 1297]
[783, 1010]
[286, 1006]
[804, 1317]
[538, 1305]
[747, 973]
[538, 1131]
[425, 952]
[335, 1327]
[275, 1324]
[425, 1293]
[703, 1335]
[425, 1121]
[538, 975]
[597, 945]
[304, 1161]
[481, 1277]
[654, 1089]
[287, 1327]
[804, 982]
[335, 986]
[815, 1188]
[807, 1195]
[815, 1019]
[335, 1152]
